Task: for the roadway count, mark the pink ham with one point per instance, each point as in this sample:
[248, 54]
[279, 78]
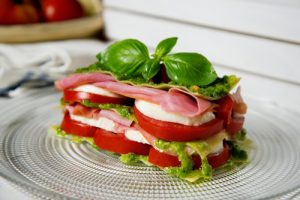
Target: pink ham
[80, 79]
[95, 113]
[112, 115]
[239, 106]
[83, 111]
[175, 100]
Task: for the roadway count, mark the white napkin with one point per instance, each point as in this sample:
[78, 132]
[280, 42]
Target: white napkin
[39, 64]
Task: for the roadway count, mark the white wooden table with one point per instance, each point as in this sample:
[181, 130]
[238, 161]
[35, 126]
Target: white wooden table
[258, 40]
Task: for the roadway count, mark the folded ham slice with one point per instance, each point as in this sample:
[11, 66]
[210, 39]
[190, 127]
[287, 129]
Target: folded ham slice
[95, 113]
[80, 79]
[174, 100]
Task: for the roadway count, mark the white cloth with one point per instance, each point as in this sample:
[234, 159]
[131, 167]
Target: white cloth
[41, 63]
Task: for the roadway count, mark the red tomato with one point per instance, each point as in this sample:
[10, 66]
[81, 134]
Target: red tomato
[177, 132]
[23, 13]
[165, 160]
[5, 7]
[77, 128]
[118, 143]
[75, 96]
[59, 10]
[162, 159]
[235, 125]
[224, 111]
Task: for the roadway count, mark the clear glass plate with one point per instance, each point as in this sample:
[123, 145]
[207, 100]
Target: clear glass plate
[50, 167]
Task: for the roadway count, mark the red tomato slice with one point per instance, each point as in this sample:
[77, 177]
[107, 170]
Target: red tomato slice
[235, 125]
[177, 132]
[75, 96]
[165, 160]
[118, 143]
[162, 159]
[77, 128]
[224, 111]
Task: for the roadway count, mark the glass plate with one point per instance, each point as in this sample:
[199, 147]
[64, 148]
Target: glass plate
[50, 167]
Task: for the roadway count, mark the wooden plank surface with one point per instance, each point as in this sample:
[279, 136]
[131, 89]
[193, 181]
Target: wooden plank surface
[272, 19]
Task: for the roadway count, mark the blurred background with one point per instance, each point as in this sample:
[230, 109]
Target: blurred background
[257, 40]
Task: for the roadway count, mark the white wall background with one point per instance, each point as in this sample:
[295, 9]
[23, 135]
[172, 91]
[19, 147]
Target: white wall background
[258, 40]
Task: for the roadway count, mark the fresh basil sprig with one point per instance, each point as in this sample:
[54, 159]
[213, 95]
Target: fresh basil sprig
[164, 47]
[189, 69]
[152, 66]
[125, 58]
[130, 59]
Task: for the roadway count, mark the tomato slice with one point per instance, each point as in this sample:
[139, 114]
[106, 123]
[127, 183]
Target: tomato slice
[235, 125]
[224, 111]
[76, 96]
[76, 128]
[162, 159]
[165, 160]
[177, 132]
[118, 143]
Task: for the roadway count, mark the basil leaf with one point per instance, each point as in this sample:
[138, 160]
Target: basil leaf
[189, 69]
[151, 68]
[164, 47]
[125, 58]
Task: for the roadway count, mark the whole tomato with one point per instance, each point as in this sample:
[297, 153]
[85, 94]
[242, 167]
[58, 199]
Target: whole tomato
[5, 7]
[59, 10]
[18, 12]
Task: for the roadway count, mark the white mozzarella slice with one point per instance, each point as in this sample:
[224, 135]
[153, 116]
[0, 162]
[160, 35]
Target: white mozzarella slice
[96, 90]
[156, 112]
[215, 143]
[102, 122]
[135, 135]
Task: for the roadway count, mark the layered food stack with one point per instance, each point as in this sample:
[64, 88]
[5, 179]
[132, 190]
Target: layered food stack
[168, 110]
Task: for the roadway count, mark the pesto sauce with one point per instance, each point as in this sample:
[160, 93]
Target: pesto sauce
[132, 158]
[76, 139]
[124, 111]
[185, 170]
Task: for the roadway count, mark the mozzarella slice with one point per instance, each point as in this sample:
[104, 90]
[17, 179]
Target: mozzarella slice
[135, 135]
[96, 90]
[156, 112]
[109, 125]
[215, 143]
[102, 122]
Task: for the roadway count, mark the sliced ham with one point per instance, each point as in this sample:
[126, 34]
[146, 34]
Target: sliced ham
[95, 113]
[83, 111]
[80, 79]
[239, 106]
[175, 100]
[112, 115]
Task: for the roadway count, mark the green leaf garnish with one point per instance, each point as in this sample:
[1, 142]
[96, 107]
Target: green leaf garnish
[164, 47]
[129, 62]
[189, 69]
[151, 68]
[125, 58]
